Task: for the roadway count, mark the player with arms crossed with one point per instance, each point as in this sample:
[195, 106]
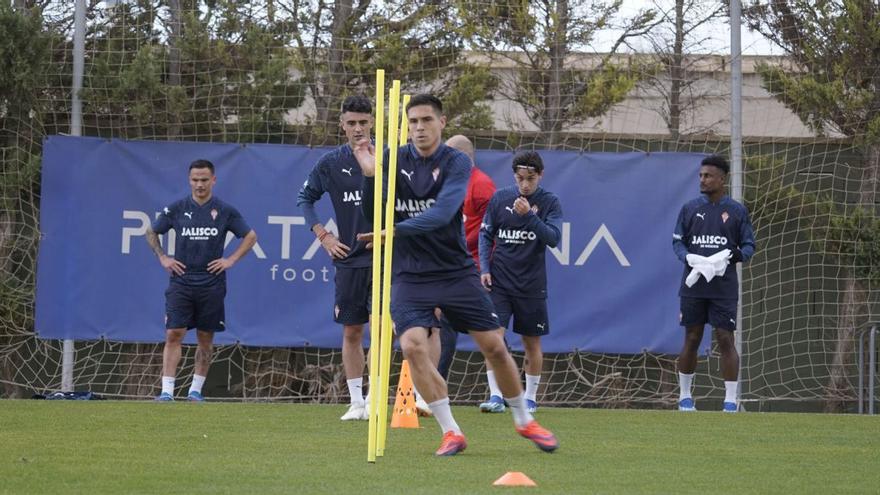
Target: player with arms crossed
[707, 226]
[432, 269]
[520, 223]
[337, 173]
[195, 294]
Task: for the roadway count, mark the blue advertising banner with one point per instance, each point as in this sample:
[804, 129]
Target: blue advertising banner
[613, 280]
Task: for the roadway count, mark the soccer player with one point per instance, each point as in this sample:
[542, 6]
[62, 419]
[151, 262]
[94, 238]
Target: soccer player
[337, 173]
[479, 191]
[707, 225]
[195, 294]
[432, 269]
[521, 221]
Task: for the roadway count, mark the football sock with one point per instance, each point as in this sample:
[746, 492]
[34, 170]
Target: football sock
[532, 382]
[168, 385]
[493, 385]
[355, 390]
[443, 413]
[198, 381]
[521, 416]
[685, 381]
[730, 391]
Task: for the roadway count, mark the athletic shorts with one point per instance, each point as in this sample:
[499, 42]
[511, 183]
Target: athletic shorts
[463, 300]
[720, 313]
[199, 307]
[529, 314]
[352, 302]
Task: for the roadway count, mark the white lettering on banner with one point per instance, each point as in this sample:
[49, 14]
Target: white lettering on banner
[285, 223]
[129, 232]
[291, 275]
[562, 252]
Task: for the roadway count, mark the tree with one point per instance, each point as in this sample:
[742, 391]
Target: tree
[835, 88]
[211, 72]
[341, 44]
[25, 62]
[676, 44]
[540, 41]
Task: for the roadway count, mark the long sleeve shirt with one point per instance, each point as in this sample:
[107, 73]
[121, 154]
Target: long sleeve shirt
[429, 241]
[338, 174]
[706, 228]
[513, 246]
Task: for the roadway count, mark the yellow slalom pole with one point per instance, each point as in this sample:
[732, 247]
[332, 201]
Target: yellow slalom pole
[385, 344]
[404, 121]
[376, 322]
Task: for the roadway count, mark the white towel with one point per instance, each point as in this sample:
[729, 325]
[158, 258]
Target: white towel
[707, 266]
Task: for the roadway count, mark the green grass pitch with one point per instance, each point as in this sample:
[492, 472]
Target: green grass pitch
[145, 447]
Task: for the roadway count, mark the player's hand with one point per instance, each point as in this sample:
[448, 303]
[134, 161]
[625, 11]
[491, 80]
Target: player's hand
[365, 153]
[736, 256]
[368, 238]
[219, 266]
[486, 280]
[171, 265]
[334, 248]
[521, 206]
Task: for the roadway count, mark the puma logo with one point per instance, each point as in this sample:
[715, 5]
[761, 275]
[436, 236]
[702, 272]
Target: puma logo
[509, 208]
[540, 326]
[407, 174]
[347, 171]
[188, 214]
[701, 215]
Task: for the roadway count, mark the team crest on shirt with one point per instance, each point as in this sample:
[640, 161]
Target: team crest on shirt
[534, 208]
[724, 217]
[213, 214]
[436, 173]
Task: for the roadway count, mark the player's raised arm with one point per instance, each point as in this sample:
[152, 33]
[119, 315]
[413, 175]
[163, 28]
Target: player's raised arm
[363, 153]
[549, 230]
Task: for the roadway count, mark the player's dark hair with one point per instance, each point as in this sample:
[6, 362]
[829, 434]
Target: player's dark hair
[357, 103]
[529, 160]
[202, 164]
[717, 161]
[425, 99]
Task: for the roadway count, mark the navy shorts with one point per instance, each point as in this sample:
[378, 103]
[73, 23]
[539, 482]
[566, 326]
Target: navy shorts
[720, 313]
[463, 300]
[529, 314]
[199, 307]
[352, 303]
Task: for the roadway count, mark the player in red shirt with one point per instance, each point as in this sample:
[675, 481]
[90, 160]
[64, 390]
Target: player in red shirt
[479, 192]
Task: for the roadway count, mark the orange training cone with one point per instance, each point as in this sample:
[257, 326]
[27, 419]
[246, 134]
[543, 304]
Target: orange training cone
[514, 478]
[405, 414]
